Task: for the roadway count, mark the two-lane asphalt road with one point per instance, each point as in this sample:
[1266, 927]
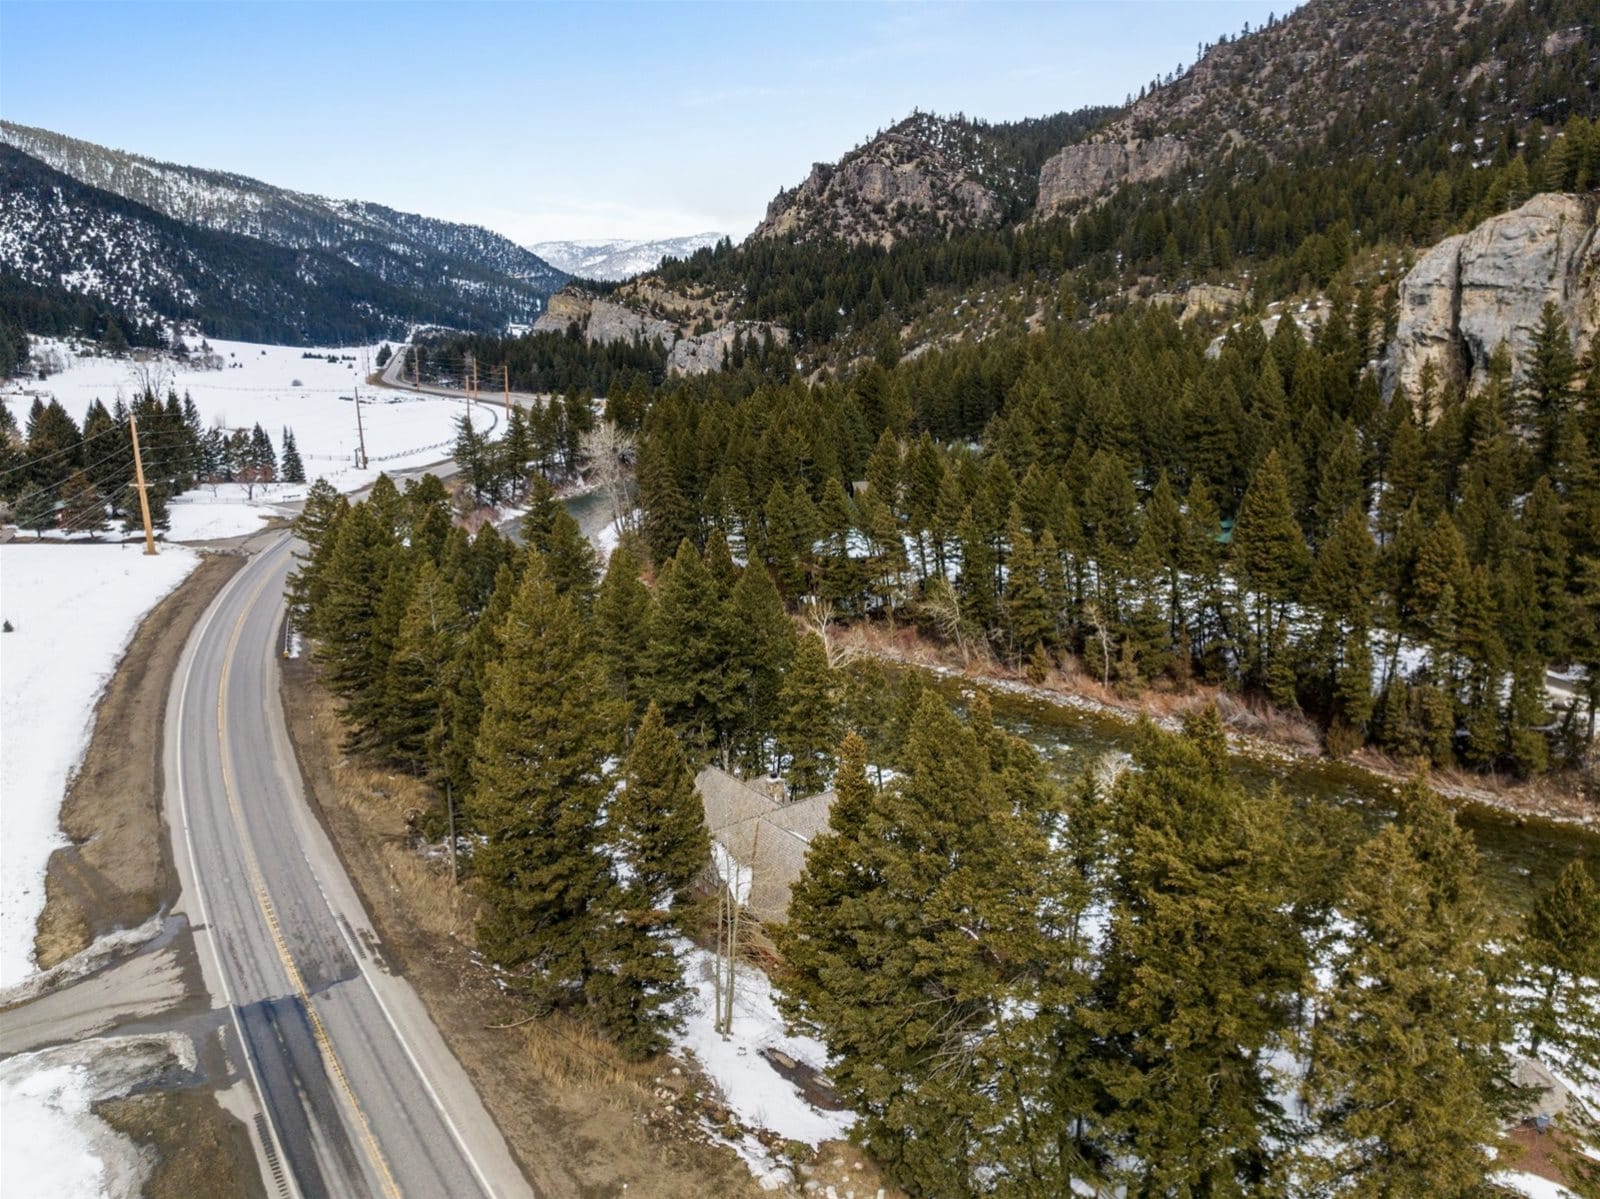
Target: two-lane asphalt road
[359, 1093]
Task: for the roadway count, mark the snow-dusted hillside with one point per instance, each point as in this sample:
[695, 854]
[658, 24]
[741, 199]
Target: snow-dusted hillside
[614, 260]
[382, 267]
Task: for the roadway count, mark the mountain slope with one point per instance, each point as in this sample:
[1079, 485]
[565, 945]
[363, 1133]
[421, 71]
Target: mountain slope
[65, 246]
[449, 266]
[927, 176]
[1358, 77]
[613, 261]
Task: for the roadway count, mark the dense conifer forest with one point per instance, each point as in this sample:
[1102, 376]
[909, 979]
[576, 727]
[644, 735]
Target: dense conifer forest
[990, 956]
[1143, 980]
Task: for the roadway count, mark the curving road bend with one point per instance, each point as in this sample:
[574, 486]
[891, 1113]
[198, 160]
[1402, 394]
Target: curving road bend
[358, 1093]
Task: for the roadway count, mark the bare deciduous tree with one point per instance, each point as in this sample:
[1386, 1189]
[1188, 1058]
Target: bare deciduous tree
[943, 606]
[151, 375]
[609, 453]
[819, 616]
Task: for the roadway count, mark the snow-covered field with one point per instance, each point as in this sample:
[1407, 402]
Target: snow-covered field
[73, 610]
[278, 387]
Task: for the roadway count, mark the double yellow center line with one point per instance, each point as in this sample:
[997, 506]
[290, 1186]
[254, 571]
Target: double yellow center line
[330, 1059]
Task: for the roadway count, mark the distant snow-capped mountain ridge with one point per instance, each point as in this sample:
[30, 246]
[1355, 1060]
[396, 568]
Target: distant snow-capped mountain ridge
[621, 259]
[390, 267]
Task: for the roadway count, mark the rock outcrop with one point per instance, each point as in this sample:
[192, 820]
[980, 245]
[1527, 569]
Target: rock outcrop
[912, 180]
[601, 321]
[1475, 290]
[708, 351]
[568, 306]
[1094, 169]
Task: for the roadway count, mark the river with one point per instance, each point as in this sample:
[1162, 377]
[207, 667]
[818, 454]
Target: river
[1520, 856]
[588, 508]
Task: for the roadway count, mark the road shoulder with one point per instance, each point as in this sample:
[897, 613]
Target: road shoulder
[118, 870]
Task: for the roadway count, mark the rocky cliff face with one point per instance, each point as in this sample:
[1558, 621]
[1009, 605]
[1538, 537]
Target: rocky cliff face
[602, 321]
[914, 180]
[1093, 169]
[1332, 68]
[707, 352]
[1475, 290]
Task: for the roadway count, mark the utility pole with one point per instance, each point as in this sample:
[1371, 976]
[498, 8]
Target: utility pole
[450, 809]
[361, 435]
[505, 371]
[416, 366]
[469, 380]
[138, 474]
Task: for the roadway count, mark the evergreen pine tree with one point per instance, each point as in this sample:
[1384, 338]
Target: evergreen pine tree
[1560, 952]
[422, 673]
[621, 620]
[1403, 1073]
[1269, 553]
[83, 508]
[539, 783]
[550, 530]
[1202, 964]
[322, 509]
[35, 509]
[294, 470]
[916, 951]
[657, 817]
[686, 659]
[344, 621]
[761, 643]
[808, 718]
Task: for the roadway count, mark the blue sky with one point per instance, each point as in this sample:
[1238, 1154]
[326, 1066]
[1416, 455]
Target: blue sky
[566, 120]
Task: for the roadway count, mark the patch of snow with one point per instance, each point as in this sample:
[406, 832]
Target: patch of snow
[51, 1141]
[1531, 1185]
[226, 510]
[751, 1087]
[73, 609]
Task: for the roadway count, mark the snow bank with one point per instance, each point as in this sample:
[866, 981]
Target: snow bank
[751, 1088]
[1531, 1185]
[52, 1144]
[74, 609]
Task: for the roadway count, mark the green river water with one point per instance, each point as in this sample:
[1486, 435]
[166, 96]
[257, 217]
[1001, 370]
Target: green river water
[1519, 856]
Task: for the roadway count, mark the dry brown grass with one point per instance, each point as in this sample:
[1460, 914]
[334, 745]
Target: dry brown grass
[198, 1148]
